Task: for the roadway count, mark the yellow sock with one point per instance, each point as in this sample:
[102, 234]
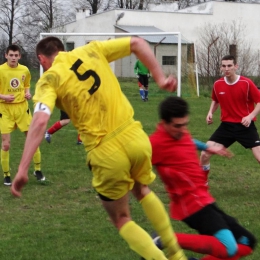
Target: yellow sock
[140, 242]
[37, 160]
[158, 216]
[5, 162]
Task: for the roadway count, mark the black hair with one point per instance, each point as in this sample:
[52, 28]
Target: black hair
[13, 47]
[173, 107]
[49, 46]
[229, 57]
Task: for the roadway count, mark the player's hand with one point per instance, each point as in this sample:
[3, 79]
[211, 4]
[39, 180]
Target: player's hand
[209, 119]
[18, 183]
[137, 76]
[246, 121]
[169, 84]
[8, 98]
[28, 96]
[220, 150]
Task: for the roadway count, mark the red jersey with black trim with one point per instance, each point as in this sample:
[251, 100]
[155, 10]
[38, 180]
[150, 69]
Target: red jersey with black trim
[177, 164]
[236, 100]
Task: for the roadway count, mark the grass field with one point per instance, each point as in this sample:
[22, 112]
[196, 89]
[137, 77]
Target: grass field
[63, 219]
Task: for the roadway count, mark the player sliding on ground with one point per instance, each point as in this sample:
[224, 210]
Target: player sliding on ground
[176, 160]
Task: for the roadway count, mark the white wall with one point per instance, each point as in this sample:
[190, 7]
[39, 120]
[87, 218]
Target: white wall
[185, 21]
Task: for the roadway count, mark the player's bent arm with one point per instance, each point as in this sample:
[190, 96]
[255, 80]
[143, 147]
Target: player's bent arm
[246, 121]
[200, 145]
[213, 106]
[35, 134]
[141, 49]
[256, 111]
[213, 149]
[33, 140]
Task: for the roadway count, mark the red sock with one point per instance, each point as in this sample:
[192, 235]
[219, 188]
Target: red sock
[242, 250]
[79, 140]
[54, 128]
[206, 172]
[209, 257]
[202, 244]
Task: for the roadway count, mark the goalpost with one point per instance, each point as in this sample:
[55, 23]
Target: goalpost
[169, 48]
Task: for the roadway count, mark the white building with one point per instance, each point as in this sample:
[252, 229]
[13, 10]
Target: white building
[187, 21]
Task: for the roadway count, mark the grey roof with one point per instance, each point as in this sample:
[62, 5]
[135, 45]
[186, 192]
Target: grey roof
[153, 38]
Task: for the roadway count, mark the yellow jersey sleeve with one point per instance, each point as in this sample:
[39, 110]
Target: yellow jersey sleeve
[45, 90]
[112, 49]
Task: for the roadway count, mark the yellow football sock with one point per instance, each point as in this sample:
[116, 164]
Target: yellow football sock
[158, 216]
[5, 162]
[37, 160]
[140, 242]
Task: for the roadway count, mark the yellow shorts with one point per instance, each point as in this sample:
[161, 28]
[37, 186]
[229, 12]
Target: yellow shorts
[14, 116]
[122, 157]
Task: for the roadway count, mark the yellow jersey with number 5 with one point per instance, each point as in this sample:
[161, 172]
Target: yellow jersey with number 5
[82, 84]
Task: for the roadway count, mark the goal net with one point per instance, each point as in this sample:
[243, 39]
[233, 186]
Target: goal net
[175, 55]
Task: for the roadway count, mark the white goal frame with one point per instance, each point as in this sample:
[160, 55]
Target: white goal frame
[130, 34]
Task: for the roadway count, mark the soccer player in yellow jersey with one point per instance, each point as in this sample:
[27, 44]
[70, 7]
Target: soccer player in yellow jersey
[14, 110]
[82, 84]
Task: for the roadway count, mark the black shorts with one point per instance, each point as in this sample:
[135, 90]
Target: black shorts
[211, 219]
[143, 80]
[63, 115]
[228, 133]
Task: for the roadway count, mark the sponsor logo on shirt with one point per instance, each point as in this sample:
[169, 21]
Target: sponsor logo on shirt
[14, 83]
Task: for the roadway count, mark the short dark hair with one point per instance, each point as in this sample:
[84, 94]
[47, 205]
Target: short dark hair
[49, 46]
[13, 47]
[229, 57]
[173, 107]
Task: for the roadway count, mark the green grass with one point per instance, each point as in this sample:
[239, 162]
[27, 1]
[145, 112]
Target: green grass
[63, 219]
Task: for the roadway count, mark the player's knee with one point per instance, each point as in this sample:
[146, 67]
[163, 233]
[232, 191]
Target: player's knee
[227, 238]
[140, 191]
[6, 146]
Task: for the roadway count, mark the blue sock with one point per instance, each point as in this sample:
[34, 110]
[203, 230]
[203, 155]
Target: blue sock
[141, 93]
[146, 93]
[226, 237]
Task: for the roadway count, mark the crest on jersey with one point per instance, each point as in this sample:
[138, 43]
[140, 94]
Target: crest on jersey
[14, 83]
[23, 77]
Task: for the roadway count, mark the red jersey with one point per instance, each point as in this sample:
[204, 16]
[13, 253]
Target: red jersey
[236, 100]
[177, 164]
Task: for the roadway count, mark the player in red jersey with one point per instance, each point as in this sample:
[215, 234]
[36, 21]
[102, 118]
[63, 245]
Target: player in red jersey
[236, 95]
[174, 154]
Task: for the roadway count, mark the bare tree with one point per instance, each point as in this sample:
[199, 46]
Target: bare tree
[92, 5]
[218, 40]
[48, 14]
[11, 15]
[43, 16]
